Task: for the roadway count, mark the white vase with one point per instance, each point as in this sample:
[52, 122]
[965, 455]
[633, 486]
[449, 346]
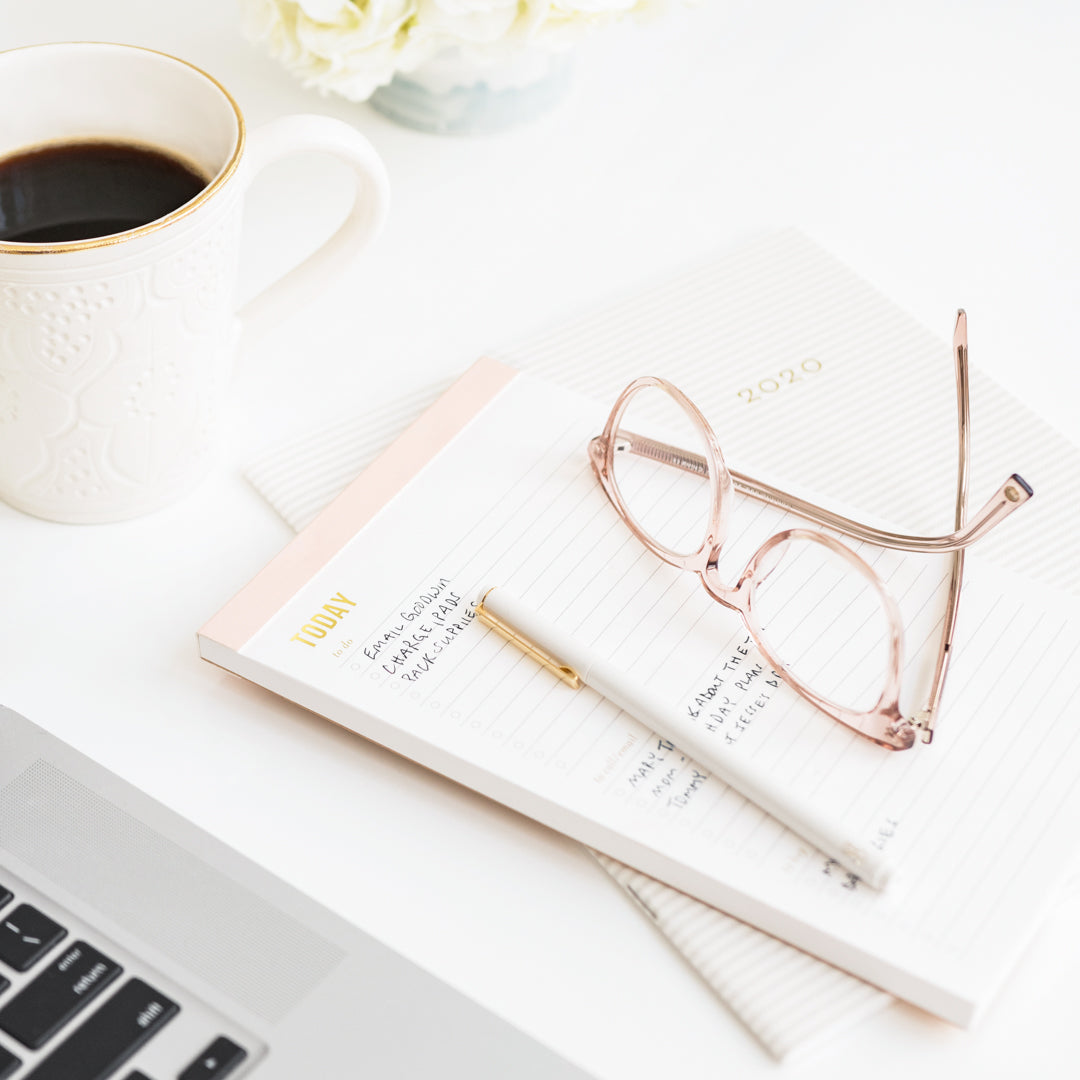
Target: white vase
[456, 93]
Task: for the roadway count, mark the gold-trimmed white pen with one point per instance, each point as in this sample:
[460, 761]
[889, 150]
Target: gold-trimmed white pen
[577, 665]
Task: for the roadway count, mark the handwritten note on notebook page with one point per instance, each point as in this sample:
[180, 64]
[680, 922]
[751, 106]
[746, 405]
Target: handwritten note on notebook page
[977, 823]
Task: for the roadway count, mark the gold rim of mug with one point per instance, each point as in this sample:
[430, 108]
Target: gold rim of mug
[214, 185]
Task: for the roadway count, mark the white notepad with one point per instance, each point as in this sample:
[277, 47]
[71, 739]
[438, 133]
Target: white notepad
[403, 551]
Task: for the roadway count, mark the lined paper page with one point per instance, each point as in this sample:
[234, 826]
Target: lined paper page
[499, 505]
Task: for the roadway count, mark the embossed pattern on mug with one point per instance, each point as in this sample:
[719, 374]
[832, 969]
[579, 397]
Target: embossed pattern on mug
[125, 368]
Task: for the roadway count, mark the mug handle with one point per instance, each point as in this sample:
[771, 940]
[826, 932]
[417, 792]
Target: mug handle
[301, 134]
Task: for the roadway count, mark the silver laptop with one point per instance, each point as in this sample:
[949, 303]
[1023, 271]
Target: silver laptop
[134, 945]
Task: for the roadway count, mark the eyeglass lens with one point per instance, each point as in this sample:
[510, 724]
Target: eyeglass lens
[825, 621]
[668, 503]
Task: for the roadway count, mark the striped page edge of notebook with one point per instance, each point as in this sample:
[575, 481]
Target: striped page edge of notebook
[789, 1000]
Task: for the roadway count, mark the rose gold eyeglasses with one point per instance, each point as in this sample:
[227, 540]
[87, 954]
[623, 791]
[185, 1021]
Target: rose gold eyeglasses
[675, 494]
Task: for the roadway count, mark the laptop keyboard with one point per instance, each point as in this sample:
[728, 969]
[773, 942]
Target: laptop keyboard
[48, 982]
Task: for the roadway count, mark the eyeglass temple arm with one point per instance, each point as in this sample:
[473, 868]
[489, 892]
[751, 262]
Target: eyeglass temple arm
[1011, 495]
[927, 720]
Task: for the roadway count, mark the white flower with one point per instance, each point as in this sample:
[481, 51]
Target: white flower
[354, 46]
[350, 47]
[468, 21]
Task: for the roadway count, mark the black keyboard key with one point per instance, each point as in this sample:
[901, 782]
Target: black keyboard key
[136, 1075]
[61, 991]
[216, 1061]
[5, 895]
[26, 936]
[8, 1063]
[127, 1021]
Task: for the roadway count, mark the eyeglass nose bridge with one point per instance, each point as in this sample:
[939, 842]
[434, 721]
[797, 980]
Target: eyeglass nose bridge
[598, 456]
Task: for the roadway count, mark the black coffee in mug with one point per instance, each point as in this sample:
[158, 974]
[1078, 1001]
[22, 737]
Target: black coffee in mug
[83, 190]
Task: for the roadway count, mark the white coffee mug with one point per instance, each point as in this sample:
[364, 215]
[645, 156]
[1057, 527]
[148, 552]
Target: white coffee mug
[115, 352]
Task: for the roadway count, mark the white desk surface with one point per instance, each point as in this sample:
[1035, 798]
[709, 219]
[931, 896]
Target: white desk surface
[932, 147]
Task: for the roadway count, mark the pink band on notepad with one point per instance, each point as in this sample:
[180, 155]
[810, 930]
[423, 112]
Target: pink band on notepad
[236, 623]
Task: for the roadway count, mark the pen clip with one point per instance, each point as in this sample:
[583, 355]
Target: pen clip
[560, 670]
